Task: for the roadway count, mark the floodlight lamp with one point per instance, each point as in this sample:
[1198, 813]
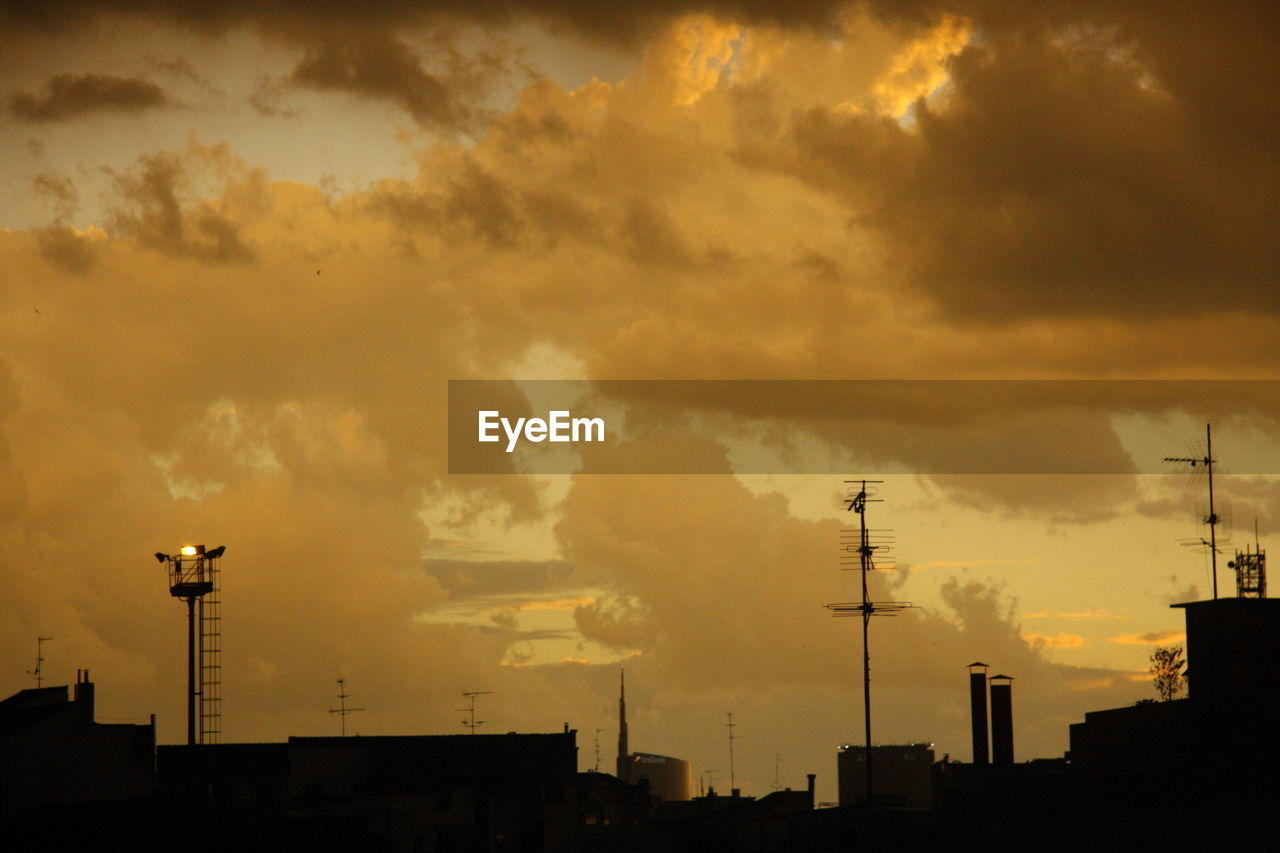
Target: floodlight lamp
[191, 550]
[160, 558]
[216, 552]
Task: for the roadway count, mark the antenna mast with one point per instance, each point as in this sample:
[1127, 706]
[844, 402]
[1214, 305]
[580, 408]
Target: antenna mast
[342, 710]
[38, 672]
[471, 722]
[1207, 461]
[733, 783]
[866, 608]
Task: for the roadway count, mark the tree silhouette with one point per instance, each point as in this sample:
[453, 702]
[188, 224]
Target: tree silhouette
[1167, 671]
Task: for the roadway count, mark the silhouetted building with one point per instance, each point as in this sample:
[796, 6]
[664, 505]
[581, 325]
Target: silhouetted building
[512, 792]
[903, 775]
[668, 778]
[54, 755]
[1231, 717]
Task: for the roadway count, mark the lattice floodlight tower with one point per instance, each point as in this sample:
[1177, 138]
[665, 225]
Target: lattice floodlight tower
[193, 577]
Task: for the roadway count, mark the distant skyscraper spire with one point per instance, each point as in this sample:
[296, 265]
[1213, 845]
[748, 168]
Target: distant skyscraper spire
[623, 749]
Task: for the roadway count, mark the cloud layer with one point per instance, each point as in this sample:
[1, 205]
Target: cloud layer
[976, 191]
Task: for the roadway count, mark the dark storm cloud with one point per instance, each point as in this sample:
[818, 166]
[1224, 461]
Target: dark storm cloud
[58, 192]
[612, 19]
[383, 67]
[64, 247]
[69, 95]
[1088, 160]
[470, 579]
[151, 210]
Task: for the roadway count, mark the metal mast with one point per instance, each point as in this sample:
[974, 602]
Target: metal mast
[342, 710]
[733, 779]
[471, 722]
[38, 672]
[1207, 461]
[866, 608]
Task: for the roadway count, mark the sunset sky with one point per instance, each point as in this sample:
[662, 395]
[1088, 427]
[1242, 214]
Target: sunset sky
[245, 246]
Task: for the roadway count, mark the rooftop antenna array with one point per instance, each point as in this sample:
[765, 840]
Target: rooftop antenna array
[857, 497]
[1207, 461]
[596, 769]
[1251, 569]
[342, 710]
[193, 578]
[38, 672]
[471, 722]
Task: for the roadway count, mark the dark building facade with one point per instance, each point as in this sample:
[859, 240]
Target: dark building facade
[903, 775]
[55, 756]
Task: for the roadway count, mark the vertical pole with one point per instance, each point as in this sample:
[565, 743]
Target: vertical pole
[191, 670]
[733, 779]
[1213, 517]
[865, 554]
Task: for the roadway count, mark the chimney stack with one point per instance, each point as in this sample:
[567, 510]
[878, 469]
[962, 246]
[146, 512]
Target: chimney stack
[978, 711]
[83, 696]
[1002, 720]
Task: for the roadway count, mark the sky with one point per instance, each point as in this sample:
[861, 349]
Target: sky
[245, 246]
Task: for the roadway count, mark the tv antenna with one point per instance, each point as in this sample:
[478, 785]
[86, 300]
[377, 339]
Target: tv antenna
[708, 781]
[857, 498]
[596, 769]
[471, 722]
[1207, 461]
[342, 710]
[38, 672]
[777, 769]
[731, 725]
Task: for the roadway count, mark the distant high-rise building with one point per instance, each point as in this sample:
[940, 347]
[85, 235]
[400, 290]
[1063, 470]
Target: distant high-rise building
[667, 777]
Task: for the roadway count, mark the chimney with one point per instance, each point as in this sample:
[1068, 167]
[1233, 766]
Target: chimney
[1002, 720]
[978, 711]
[83, 696]
[811, 777]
